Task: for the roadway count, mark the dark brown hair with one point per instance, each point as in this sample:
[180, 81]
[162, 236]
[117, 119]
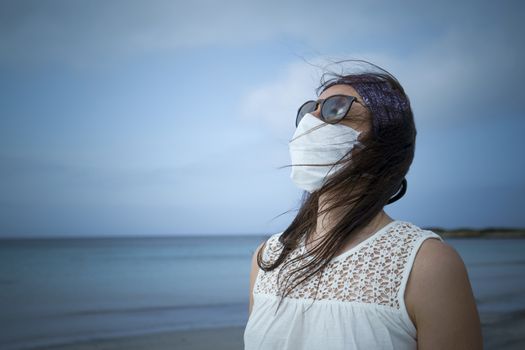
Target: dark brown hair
[367, 182]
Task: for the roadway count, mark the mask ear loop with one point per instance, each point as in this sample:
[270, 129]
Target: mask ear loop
[401, 192]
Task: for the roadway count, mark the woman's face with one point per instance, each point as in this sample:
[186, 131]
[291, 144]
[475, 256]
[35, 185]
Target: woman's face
[357, 117]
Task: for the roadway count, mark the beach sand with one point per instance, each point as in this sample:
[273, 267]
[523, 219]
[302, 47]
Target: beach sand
[500, 331]
[217, 339]
[504, 331]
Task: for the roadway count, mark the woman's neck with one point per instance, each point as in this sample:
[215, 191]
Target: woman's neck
[327, 220]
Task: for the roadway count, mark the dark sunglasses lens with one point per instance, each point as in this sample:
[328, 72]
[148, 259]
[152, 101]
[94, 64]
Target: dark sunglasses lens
[335, 108]
[308, 107]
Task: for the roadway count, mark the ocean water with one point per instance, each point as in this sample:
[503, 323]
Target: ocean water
[55, 291]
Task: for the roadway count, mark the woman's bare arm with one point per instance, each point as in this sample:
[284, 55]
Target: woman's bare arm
[443, 303]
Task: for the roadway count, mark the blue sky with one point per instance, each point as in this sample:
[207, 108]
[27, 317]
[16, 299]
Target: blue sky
[168, 117]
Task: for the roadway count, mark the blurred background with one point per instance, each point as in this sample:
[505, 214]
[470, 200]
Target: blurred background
[165, 123]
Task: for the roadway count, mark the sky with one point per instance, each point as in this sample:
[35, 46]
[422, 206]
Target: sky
[153, 118]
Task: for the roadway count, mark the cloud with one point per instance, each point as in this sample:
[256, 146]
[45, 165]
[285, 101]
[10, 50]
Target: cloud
[274, 104]
[130, 157]
[85, 33]
[454, 79]
[459, 78]
[97, 32]
[227, 185]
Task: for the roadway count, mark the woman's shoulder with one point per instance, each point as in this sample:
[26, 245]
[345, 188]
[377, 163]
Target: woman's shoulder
[440, 297]
[438, 273]
[433, 253]
[271, 244]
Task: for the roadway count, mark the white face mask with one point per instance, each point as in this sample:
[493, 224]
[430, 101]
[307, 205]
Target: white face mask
[324, 144]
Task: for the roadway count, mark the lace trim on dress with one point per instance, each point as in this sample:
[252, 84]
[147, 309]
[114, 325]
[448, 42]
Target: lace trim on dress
[370, 272]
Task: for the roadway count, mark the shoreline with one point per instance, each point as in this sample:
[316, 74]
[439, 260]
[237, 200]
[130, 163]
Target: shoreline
[500, 330]
[224, 338]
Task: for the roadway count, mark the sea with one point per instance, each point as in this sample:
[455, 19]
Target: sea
[59, 291]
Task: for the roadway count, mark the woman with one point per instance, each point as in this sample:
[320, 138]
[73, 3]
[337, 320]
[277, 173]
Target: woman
[344, 274]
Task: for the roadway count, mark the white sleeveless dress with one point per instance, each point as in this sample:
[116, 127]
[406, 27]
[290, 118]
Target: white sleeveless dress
[359, 304]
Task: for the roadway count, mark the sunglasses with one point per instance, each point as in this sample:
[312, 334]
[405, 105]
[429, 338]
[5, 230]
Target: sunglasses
[333, 108]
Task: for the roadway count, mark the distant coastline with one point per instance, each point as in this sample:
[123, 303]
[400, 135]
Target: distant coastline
[479, 233]
[462, 232]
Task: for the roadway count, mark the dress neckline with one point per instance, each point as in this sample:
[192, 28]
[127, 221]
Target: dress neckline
[369, 239]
